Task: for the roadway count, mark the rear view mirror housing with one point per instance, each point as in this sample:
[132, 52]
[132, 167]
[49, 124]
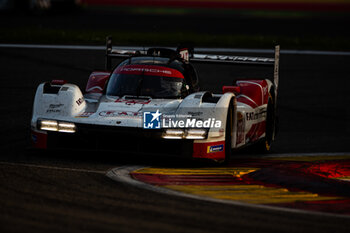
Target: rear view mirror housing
[233, 89]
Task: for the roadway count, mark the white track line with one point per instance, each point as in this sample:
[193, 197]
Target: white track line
[122, 174]
[212, 50]
[53, 167]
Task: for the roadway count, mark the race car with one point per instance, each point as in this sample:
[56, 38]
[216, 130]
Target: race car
[151, 103]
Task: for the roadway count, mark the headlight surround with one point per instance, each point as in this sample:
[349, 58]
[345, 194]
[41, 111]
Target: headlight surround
[57, 126]
[195, 134]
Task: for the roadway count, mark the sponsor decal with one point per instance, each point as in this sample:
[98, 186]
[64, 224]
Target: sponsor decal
[85, 114]
[141, 69]
[119, 114]
[131, 102]
[216, 148]
[79, 101]
[151, 70]
[151, 120]
[54, 108]
[55, 105]
[251, 116]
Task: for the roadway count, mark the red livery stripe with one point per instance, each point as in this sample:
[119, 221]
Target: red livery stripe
[39, 140]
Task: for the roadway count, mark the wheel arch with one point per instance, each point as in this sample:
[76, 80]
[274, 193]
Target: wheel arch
[224, 103]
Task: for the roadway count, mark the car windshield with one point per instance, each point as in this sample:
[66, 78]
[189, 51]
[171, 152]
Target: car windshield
[146, 80]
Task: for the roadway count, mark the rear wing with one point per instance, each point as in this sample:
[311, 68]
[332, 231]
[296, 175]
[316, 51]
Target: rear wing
[188, 55]
[210, 58]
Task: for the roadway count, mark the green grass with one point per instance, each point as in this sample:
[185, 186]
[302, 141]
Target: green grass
[97, 37]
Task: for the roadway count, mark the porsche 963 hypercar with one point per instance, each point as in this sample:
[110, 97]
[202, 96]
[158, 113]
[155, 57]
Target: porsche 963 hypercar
[151, 103]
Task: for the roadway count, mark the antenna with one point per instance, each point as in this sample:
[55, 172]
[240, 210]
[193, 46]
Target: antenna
[108, 51]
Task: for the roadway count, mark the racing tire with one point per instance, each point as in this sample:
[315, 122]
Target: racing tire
[264, 145]
[228, 134]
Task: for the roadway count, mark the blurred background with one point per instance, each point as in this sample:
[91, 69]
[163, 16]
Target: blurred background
[295, 24]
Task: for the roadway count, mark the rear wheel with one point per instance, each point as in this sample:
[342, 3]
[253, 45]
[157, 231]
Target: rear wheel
[228, 133]
[265, 145]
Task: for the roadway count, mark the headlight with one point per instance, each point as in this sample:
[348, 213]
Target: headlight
[185, 134]
[196, 134]
[48, 125]
[60, 126]
[173, 134]
[66, 127]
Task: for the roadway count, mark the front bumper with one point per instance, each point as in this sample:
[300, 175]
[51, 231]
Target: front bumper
[121, 139]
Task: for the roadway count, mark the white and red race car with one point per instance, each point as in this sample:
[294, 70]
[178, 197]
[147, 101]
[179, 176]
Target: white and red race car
[151, 103]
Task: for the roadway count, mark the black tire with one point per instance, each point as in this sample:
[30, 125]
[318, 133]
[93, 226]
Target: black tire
[228, 133]
[264, 145]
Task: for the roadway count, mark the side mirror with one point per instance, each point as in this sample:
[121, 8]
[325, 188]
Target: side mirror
[97, 81]
[234, 89]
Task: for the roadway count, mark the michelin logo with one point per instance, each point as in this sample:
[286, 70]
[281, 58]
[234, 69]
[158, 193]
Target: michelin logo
[217, 148]
[151, 120]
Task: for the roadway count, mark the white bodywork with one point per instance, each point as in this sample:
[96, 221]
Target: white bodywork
[70, 105]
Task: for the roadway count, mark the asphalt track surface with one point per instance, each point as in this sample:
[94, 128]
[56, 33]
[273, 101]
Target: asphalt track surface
[68, 191]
